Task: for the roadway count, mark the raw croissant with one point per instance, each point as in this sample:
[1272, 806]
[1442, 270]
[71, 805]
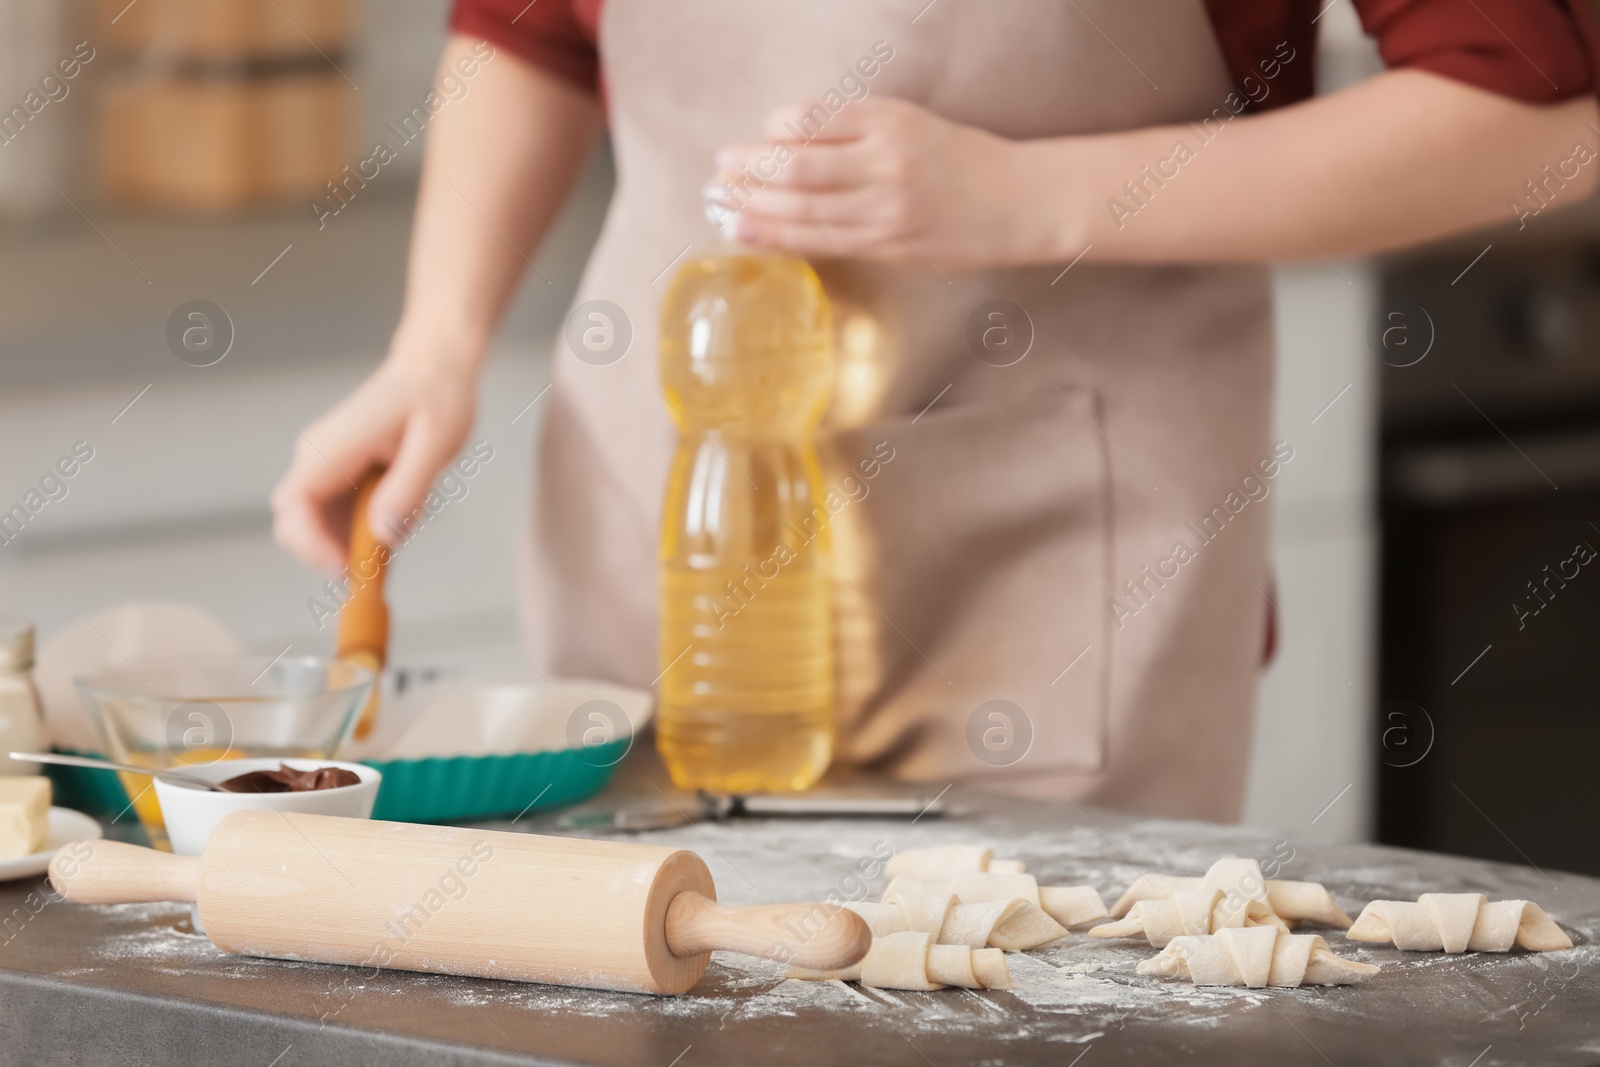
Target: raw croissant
[1257, 956]
[1456, 922]
[1007, 922]
[1188, 912]
[939, 864]
[950, 923]
[1241, 880]
[1048, 910]
[909, 959]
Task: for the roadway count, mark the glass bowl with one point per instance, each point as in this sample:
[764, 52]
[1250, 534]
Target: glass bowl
[198, 712]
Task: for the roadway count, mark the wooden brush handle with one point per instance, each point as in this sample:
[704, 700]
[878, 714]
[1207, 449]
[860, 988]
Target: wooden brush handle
[823, 937]
[364, 619]
[110, 872]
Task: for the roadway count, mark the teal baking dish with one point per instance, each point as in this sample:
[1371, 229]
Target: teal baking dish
[451, 788]
[436, 789]
[558, 744]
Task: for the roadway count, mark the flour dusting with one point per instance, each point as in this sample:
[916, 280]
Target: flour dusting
[1072, 991]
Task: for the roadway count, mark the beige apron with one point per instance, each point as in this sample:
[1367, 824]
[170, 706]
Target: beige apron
[983, 559]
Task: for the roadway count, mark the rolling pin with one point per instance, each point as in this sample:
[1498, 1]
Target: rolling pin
[364, 619]
[567, 911]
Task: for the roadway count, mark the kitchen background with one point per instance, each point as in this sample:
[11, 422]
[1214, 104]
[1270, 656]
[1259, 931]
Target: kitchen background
[175, 167]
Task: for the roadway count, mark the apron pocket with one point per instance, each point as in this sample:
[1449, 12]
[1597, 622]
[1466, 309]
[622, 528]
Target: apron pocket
[972, 569]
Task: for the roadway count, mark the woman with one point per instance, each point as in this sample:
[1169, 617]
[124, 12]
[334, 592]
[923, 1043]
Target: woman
[1043, 226]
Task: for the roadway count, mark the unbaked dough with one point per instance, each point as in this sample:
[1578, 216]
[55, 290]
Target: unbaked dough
[1072, 905]
[950, 911]
[1023, 924]
[1027, 926]
[1456, 922]
[1064, 906]
[910, 959]
[1242, 883]
[1256, 956]
[1007, 922]
[970, 887]
[900, 961]
[963, 895]
[937, 864]
[939, 914]
[974, 925]
[921, 911]
[1187, 912]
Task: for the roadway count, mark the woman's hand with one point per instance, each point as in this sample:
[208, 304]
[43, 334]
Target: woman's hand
[413, 415]
[513, 150]
[884, 180]
[1350, 173]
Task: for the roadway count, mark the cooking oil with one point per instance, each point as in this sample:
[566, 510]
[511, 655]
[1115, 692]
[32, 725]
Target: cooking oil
[746, 363]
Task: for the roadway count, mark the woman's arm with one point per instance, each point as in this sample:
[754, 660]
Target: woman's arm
[498, 168]
[1404, 157]
[499, 165]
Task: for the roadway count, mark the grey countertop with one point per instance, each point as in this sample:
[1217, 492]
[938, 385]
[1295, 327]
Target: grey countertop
[133, 985]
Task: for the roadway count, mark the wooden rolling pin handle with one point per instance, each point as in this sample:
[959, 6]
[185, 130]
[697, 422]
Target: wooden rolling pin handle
[819, 936]
[110, 872]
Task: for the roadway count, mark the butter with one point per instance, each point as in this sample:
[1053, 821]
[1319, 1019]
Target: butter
[24, 815]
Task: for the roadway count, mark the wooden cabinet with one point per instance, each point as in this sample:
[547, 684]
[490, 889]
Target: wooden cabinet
[223, 105]
[218, 30]
[217, 144]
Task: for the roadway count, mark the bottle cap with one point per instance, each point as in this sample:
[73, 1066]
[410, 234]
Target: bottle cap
[721, 214]
[16, 644]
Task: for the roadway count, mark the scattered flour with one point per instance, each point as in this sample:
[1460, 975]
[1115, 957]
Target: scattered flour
[1073, 991]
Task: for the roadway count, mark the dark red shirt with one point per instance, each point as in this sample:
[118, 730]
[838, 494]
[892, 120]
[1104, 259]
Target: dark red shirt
[1539, 51]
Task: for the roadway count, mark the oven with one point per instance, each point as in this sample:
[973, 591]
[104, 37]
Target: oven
[1488, 723]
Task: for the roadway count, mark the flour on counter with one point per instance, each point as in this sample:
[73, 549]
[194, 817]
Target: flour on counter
[1074, 990]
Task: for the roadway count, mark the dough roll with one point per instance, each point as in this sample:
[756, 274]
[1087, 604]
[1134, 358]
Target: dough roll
[1457, 922]
[1258, 957]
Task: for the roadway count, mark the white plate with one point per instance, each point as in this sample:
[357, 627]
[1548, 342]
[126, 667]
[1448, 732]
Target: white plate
[490, 718]
[66, 826]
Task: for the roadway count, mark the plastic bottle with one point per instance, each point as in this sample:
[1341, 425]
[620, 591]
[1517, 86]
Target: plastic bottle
[747, 364]
[21, 724]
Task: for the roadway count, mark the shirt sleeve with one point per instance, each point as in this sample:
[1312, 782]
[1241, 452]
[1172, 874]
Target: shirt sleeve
[1537, 51]
[551, 34]
[1270, 48]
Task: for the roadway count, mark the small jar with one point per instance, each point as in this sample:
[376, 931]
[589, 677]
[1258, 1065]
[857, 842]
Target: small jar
[21, 724]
